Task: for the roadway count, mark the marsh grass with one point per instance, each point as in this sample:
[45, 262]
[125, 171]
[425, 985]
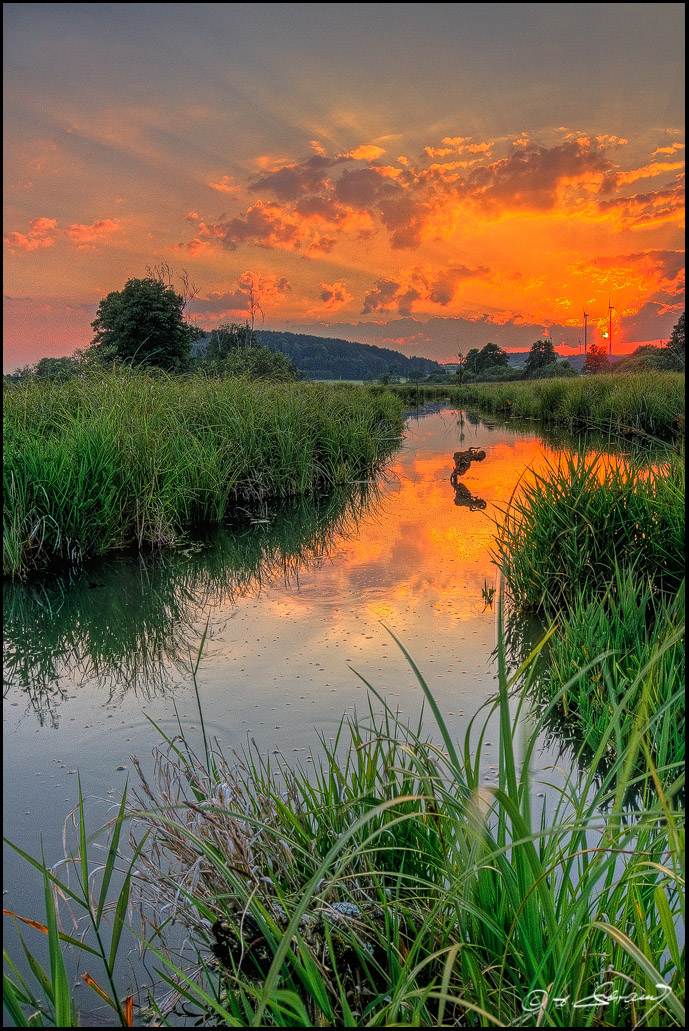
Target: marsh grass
[648, 405]
[634, 628]
[122, 459]
[570, 526]
[389, 886]
[596, 545]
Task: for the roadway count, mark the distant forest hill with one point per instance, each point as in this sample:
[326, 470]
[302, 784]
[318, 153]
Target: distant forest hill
[328, 358]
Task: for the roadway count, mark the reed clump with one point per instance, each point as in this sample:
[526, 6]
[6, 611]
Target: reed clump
[571, 525]
[128, 459]
[596, 545]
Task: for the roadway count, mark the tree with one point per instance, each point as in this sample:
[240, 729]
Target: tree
[228, 337]
[676, 341]
[56, 369]
[596, 361]
[471, 361]
[144, 324]
[542, 353]
[461, 366]
[492, 357]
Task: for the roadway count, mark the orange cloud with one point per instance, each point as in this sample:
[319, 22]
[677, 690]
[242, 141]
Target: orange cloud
[39, 235]
[672, 149]
[644, 272]
[366, 152]
[219, 306]
[648, 171]
[418, 286]
[94, 233]
[227, 184]
[334, 295]
[45, 232]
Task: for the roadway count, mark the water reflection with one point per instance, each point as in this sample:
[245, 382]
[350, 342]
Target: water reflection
[129, 623]
[406, 555]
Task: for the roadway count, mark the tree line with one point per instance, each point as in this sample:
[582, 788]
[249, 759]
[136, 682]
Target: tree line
[144, 325]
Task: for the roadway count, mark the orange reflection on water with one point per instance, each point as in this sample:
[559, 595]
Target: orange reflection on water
[421, 550]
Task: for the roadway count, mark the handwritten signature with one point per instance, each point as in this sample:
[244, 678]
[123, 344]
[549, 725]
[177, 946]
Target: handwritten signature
[605, 995]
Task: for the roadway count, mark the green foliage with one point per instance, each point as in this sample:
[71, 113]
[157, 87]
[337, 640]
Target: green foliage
[486, 360]
[631, 626]
[496, 374]
[572, 526]
[390, 885]
[50, 1003]
[56, 369]
[333, 358]
[555, 369]
[542, 353]
[235, 350]
[596, 361]
[124, 458]
[648, 356]
[634, 405]
[143, 325]
[676, 341]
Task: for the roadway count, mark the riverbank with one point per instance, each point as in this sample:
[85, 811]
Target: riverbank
[119, 460]
[595, 547]
[652, 403]
[386, 878]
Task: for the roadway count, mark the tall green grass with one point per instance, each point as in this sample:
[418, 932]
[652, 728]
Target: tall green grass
[646, 404]
[393, 886]
[614, 637]
[123, 459]
[597, 545]
[571, 525]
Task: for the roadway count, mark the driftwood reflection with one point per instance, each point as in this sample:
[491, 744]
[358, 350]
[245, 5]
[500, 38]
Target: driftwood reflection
[463, 496]
[129, 623]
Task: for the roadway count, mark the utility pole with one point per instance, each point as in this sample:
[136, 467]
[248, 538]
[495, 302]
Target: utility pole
[586, 315]
[610, 311]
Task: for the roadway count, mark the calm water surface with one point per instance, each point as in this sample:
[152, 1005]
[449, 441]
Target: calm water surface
[295, 602]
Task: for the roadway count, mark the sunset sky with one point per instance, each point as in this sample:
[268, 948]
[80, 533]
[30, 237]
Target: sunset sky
[427, 177]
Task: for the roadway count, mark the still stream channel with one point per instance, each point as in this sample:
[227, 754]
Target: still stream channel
[295, 602]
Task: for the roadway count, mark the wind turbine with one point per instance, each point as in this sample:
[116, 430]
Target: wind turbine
[611, 309]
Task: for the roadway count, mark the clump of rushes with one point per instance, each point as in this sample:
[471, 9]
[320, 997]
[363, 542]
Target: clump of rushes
[569, 527]
[597, 545]
[390, 885]
[129, 459]
[613, 637]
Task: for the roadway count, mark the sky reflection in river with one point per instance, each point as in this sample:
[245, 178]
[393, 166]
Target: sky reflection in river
[294, 607]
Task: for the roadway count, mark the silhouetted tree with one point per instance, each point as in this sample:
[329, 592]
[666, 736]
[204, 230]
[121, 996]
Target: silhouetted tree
[596, 361]
[144, 324]
[542, 353]
[676, 341]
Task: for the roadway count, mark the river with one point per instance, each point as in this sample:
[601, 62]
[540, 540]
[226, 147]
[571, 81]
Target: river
[297, 603]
